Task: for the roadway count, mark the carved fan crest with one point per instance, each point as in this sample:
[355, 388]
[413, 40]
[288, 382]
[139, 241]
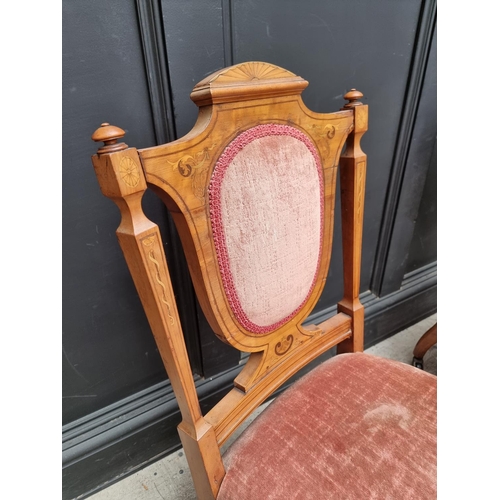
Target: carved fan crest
[243, 82]
[253, 71]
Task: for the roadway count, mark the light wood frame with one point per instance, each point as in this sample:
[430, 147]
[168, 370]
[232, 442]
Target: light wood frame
[231, 101]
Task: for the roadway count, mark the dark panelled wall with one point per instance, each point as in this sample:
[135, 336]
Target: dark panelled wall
[133, 64]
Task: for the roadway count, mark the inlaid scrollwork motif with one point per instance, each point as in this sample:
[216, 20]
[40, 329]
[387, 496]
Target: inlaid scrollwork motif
[361, 176]
[327, 132]
[196, 167]
[148, 241]
[284, 345]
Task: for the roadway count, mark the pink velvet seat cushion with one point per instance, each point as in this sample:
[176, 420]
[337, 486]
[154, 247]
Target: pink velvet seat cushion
[357, 427]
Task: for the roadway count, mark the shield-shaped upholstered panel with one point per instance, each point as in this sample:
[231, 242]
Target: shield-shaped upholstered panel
[266, 212]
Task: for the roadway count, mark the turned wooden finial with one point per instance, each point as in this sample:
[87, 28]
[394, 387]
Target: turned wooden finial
[109, 134]
[352, 96]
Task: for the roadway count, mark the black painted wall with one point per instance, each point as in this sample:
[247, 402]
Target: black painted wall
[133, 64]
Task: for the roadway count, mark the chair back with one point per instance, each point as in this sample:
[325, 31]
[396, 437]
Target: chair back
[251, 190]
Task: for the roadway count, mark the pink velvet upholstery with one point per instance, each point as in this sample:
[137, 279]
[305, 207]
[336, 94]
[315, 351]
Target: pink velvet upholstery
[266, 211]
[357, 427]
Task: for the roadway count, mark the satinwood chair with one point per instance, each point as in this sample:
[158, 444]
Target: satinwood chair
[251, 190]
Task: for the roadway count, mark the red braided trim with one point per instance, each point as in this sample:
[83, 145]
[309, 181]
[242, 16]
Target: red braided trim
[214, 193]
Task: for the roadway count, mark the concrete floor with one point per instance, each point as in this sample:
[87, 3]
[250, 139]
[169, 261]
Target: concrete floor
[170, 479]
